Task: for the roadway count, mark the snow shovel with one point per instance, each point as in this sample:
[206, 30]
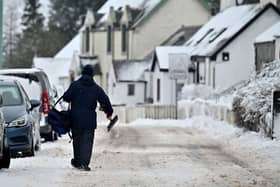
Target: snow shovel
[112, 123]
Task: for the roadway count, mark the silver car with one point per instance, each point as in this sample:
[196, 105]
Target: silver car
[46, 94]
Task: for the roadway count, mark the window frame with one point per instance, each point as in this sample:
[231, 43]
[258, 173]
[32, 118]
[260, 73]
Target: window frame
[109, 38]
[124, 38]
[87, 38]
[158, 89]
[131, 89]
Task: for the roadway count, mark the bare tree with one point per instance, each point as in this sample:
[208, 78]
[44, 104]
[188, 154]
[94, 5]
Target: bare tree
[11, 31]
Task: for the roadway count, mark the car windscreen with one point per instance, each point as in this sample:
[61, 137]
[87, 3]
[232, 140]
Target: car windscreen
[32, 88]
[11, 95]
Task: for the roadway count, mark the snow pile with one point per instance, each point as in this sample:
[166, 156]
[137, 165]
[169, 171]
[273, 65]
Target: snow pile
[196, 91]
[200, 107]
[252, 103]
[196, 103]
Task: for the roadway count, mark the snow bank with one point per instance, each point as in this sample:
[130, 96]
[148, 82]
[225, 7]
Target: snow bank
[196, 103]
[196, 91]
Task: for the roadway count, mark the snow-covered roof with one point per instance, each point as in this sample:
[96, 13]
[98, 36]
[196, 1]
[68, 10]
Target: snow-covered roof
[146, 5]
[130, 71]
[117, 4]
[53, 67]
[163, 53]
[70, 48]
[223, 28]
[269, 35]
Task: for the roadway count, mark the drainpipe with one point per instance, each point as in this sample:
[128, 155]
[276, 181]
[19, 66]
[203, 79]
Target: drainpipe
[208, 72]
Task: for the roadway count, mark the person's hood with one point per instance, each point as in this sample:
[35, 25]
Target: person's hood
[87, 80]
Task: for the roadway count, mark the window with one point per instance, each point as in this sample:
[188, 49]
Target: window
[215, 35]
[158, 89]
[225, 56]
[87, 39]
[204, 36]
[11, 95]
[124, 38]
[131, 89]
[109, 39]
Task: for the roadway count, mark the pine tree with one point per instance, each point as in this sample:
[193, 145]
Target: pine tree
[32, 20]
[65, 15]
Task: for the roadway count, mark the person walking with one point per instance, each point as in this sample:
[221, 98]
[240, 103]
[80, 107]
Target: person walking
[83, 96]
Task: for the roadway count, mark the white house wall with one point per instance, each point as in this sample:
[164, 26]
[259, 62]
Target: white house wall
[242, 53]
[100, 49]
[119, 94]
[167, 88]
[164, 22]
[118, 54]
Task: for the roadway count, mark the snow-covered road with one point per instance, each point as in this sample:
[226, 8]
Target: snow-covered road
[159, 153]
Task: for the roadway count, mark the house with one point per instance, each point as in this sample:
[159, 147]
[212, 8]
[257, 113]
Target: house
[129, 30]
[128, 86]
[144, 84]
[223, 49]
[267, 46]
[224, 4]
[166, 89]
[59, 67]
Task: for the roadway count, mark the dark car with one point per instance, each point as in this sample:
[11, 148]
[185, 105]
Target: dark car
[46, 95]
[21, 127]
[5, 156]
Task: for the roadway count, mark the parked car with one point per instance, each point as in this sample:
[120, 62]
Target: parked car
[46, 94]
[21, 127]
[5, 156]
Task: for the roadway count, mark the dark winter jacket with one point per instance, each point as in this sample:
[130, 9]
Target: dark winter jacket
[83, 95]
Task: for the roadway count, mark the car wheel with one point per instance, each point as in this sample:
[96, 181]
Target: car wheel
[32, 150]
[5, 161]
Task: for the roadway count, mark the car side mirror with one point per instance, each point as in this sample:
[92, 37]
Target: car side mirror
[34, 104]
[1, 101]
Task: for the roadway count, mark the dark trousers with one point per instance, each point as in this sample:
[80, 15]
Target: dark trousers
[82, 145]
